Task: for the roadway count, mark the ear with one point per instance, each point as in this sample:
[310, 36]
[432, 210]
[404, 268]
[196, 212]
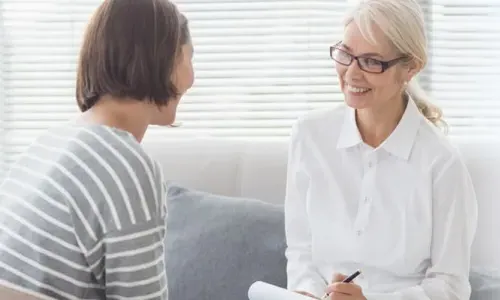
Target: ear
[413, 69]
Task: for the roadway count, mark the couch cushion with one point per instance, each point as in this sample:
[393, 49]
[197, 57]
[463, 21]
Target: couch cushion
[483, 161]
[217, 246]
[485, 284]
[263, 171]
[204, 164]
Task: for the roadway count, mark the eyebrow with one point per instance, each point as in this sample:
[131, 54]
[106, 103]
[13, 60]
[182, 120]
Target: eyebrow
[364, 54]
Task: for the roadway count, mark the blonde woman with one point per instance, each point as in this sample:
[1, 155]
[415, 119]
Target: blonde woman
[375, 185]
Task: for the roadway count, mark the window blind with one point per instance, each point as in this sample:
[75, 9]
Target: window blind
[259, 64]
[39, 47]
[465, 64]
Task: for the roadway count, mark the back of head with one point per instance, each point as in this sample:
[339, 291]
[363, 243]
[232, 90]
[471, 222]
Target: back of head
[402, 22]
[129, 50]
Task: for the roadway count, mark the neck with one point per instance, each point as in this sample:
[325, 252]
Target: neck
[121, 113]
[376, 125]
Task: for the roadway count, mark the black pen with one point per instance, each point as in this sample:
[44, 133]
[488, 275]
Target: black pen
[347, 280]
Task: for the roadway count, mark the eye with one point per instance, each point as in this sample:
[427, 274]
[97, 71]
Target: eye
[340, 54]
[370, 62]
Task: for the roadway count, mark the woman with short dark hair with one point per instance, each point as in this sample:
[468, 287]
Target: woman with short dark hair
[82, 212]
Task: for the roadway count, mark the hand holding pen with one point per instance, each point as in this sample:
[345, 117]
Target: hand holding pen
[342, 288]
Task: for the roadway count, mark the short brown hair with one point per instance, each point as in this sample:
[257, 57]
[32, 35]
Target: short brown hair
[130, 49]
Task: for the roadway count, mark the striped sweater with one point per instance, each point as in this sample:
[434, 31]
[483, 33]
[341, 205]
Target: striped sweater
[82, 217]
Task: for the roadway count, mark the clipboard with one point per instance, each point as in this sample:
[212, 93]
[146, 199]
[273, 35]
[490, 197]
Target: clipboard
[264, 291]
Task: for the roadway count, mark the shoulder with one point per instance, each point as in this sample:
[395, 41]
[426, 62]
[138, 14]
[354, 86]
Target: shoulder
[111, 141]
[437, 148]
[114, 148]
[123, 172]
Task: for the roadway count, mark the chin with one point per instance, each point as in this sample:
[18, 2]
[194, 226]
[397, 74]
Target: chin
[165, 116]
[167, 121]
[358, 101]
[164, 120]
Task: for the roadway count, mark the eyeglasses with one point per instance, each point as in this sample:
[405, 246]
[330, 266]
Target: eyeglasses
[367, 64]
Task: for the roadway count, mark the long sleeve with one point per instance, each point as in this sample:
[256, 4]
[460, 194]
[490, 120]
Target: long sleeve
[125, 251]
[135, 262]
[302, 275]
[454, 226]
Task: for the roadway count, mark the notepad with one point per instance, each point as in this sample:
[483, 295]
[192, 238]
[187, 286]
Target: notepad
[265, 291]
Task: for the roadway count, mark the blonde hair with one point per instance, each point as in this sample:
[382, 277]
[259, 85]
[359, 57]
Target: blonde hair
[402, 22]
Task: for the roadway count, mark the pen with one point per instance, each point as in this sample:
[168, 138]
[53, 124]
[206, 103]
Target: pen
[347, 280]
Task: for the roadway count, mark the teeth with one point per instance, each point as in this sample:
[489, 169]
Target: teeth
[357, 89]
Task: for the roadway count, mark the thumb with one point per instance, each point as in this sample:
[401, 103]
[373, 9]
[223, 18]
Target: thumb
[338, 277]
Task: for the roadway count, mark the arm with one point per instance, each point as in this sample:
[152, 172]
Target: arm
[135, 262]
[125, 252]
[302, 275]
[128, 262]
[135, 256]
[454, 226]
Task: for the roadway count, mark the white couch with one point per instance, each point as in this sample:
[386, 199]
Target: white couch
[256, 169]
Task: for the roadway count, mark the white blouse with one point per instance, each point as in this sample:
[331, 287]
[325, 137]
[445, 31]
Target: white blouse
[404, 213]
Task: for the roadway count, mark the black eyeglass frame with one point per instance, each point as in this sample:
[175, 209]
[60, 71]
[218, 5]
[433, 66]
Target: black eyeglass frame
[385, 64]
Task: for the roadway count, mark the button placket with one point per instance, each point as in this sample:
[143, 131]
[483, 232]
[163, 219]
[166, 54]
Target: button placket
[369, 159]
[365, 200]
[368, 156]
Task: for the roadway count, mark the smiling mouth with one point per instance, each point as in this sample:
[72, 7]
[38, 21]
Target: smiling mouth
[357, 90]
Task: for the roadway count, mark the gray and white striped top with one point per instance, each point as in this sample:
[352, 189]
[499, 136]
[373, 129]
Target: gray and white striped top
[82, 217]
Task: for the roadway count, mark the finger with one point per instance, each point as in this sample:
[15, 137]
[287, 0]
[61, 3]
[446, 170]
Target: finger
[334, 289]
[344, 288]
[338, 277]
[338, 296]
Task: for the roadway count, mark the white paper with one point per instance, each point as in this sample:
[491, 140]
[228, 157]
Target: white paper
[265, 291]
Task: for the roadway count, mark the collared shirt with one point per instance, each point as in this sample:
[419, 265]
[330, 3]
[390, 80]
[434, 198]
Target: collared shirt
[404, 213]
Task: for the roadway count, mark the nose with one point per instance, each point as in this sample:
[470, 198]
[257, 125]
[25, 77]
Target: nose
[353, 70]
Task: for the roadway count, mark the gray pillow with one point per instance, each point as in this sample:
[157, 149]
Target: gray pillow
[485, 284]
[217, 246]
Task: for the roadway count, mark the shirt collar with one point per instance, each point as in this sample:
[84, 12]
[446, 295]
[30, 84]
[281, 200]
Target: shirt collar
[399, 143]
[349, 133]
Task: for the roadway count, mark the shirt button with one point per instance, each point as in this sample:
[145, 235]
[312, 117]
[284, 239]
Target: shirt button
[370, 164]
[359, 233]
[367, 199]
